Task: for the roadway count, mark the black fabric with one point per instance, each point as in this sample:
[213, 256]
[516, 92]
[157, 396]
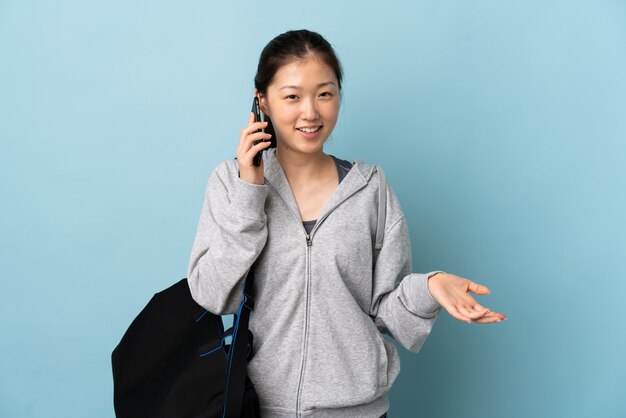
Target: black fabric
[343, 167]
[172, 361]
[308, 225]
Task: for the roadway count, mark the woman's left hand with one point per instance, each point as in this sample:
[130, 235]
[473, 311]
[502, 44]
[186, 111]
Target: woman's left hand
[452, 293]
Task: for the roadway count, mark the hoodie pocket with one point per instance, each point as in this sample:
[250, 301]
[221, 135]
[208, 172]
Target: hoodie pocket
[383, 356]
[346, 364]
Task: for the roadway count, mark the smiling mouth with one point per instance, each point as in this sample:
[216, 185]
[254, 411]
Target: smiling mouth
[309, 130]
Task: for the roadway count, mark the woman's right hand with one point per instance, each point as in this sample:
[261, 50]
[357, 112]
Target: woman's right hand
[246, 150]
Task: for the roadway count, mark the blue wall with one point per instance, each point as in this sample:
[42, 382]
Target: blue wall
[501, 126]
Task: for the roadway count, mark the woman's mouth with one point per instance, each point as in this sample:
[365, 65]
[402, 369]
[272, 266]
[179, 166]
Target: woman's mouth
[310, 132]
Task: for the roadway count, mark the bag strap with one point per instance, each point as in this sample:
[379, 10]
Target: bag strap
[382, 209]
[382, 206]
[240, 346]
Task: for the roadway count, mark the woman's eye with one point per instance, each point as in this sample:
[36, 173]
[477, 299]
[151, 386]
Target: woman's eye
[291, 96]
[326, 94]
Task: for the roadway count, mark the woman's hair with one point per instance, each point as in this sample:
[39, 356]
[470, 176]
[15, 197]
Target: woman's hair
[287, 47]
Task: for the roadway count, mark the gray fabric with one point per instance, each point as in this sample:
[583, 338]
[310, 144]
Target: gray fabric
[322, 304]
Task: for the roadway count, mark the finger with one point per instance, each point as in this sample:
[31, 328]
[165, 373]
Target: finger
[243, 133]
[470, 304]
[250, 141]
[471, 313]
[495, 315]
[459, 315]
[249, 155]
[253, 127]
[258, 147]
[478, 307]
[249, 134]
[257, 136]
[500, 316]
[478, 288]
[491, 318]
[246, 140]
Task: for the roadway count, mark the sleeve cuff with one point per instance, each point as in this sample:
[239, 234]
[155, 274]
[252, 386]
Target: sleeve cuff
[249, 199]
[417, 293]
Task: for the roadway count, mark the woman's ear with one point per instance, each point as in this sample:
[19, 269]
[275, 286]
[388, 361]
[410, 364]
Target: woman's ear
[263, 104]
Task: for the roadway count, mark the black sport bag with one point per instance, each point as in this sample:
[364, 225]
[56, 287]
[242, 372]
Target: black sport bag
[174, 361]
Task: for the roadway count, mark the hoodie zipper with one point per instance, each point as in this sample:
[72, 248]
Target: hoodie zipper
[307, 298]
[309, 244]
[307, 303]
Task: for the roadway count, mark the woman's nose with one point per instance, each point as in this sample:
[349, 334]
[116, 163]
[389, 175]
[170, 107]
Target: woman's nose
[309, 110]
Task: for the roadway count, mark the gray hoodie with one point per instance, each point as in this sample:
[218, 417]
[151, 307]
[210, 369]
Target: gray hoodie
[322, 300]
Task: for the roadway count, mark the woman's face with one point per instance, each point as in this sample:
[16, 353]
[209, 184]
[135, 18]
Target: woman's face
[303, 95]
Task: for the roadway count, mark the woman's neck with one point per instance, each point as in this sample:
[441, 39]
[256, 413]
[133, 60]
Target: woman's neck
[299, 167]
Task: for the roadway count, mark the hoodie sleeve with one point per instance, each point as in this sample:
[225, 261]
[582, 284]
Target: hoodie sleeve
[231, 234]
[402, 306]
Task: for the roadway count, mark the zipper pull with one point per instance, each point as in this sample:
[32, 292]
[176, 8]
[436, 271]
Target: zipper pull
[308, 240]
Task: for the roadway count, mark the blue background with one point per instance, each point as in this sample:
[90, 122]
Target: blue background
[500, 124]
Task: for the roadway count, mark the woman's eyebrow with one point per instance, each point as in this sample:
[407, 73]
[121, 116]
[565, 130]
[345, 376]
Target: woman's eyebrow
[299, 88]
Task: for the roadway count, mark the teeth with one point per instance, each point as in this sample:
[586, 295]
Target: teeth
[308, 130]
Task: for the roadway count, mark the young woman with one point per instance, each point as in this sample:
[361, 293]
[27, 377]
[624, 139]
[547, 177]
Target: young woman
[308, 221]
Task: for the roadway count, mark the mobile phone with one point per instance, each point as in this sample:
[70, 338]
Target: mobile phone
[256, 108]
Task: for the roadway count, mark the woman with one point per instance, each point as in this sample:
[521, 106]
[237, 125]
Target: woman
[308, 220]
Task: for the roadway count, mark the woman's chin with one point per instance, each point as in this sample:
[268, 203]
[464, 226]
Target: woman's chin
[303, 145]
